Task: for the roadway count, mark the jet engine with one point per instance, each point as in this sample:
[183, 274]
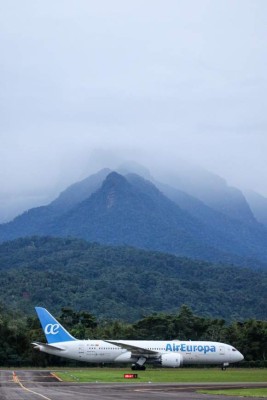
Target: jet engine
[172, 360]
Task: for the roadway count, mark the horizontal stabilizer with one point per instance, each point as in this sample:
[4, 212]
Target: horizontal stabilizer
[47, 346]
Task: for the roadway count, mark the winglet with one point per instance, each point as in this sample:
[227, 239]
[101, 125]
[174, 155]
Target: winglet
[53, 330]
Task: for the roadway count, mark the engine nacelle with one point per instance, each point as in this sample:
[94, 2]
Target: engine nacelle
[172, 360]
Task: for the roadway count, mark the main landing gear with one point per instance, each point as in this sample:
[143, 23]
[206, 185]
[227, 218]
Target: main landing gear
[139, 365]
[136, 367]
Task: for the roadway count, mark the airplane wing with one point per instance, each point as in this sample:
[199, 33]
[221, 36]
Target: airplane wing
[47, 346]
[136, 350]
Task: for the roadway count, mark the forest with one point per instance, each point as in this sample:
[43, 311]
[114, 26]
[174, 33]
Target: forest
[18, 331]
[109, 292]
[122, 282]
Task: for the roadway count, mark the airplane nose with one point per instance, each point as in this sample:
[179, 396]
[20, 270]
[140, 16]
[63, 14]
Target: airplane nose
[236, 355]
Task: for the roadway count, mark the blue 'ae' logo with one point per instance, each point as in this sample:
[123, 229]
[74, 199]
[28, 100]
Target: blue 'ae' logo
[51, 329]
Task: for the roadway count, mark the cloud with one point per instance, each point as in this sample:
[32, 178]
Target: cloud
[154, 81]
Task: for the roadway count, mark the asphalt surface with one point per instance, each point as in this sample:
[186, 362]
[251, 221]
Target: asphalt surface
[36, 385]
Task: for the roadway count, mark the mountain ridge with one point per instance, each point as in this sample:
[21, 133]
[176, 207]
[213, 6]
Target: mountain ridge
[115, 209]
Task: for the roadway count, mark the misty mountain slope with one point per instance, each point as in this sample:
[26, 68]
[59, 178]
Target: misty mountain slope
[132, 167]
[79, 191]
[138, 214]
[37, 221]
[121, 213]
[225, 232]
[258, 205]
[32, 222]
[212, 190]
[131, 210]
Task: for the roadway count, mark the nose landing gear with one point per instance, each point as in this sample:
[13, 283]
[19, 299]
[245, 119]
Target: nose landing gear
[224, 366]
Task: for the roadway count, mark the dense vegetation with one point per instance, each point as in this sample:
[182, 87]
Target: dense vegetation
[18, 332]
[123, 282]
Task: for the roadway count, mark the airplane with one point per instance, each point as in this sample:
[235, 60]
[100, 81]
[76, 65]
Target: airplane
[164, 353]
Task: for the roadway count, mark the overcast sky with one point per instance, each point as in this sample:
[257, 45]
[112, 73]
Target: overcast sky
[86, 84]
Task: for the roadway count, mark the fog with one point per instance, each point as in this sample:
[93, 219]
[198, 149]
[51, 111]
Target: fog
[87, 84]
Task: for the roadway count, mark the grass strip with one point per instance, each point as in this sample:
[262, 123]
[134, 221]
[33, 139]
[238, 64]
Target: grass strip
[164, 375]
[257, 392]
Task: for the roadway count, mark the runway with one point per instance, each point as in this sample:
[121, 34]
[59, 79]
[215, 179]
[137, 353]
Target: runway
[37, 385]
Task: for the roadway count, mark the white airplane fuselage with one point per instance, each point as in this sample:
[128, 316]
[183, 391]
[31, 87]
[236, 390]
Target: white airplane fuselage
[138, 352]
[166, 353]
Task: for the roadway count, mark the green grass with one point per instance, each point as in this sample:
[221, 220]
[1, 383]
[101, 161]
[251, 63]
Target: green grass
[164, 375]
[259, 392]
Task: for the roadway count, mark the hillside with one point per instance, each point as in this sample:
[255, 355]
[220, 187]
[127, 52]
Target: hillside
[123, 282]
[110, 208]
[212, 190]
[258, 205]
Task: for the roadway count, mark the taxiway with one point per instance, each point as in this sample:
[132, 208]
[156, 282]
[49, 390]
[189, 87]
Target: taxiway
[36, 385]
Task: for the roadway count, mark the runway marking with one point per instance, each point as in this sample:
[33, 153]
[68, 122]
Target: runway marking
[55, 376]
[16, 380]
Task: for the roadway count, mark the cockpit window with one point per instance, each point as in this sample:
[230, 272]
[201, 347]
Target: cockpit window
[233, 349]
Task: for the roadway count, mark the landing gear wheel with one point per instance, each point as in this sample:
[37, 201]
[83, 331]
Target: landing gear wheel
[136, 367]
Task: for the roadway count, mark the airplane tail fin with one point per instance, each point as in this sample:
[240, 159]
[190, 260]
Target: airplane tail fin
[53, 330]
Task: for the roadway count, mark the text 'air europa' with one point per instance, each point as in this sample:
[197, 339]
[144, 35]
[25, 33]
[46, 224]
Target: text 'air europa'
[182, 347]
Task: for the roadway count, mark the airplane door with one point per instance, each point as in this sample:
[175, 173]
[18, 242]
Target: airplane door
[81, 350]
[222, 350]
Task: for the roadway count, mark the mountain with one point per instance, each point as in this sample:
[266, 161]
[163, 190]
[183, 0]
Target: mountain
[225, 232]
[37, 220]
[138, 215]
[110, 208]
[258, 205]
[212, 190]
[123, 282]
[78, 192]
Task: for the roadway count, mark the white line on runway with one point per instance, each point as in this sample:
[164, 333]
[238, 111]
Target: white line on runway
[16, 380]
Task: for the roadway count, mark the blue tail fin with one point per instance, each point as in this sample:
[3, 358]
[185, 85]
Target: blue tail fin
[54, 332]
